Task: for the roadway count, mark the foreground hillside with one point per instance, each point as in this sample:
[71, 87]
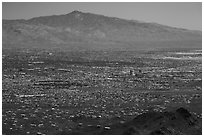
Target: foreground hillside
[177, 122]
[86, 31]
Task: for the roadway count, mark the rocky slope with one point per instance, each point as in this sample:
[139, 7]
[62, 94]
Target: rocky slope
[178, 122]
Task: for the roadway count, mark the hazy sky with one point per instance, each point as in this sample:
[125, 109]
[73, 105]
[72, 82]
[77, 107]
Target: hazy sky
[184, 15]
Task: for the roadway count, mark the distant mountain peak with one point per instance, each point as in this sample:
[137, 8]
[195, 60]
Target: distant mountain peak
[82, 27]
[75, 12]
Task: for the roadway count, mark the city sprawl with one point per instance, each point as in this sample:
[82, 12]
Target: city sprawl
[48, 91]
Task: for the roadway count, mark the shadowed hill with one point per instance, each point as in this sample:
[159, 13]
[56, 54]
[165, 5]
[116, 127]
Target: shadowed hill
[178, 122]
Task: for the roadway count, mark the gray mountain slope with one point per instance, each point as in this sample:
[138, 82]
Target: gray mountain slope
[86, 31]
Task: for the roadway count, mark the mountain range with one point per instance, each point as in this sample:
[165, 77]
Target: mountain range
[87, 31]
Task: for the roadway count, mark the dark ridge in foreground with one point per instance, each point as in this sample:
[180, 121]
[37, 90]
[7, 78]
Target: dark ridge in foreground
[178, 122]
